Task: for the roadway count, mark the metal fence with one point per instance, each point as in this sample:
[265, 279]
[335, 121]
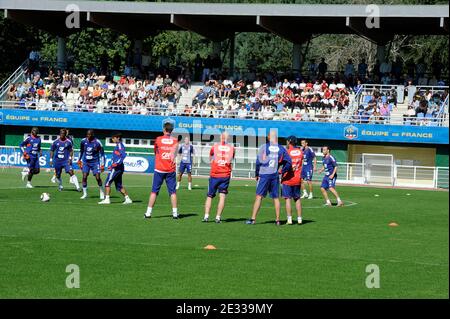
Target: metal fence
[348, 173]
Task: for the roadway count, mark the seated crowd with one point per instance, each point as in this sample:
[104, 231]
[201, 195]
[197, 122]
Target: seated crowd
[263, 99]
[64, 91]
[425, 107]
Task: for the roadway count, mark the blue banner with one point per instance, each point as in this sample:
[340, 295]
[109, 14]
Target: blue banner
[133, 163]
[311, 130]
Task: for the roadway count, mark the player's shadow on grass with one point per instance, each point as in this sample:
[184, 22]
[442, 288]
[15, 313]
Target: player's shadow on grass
[180, 216]
[283, 222]
[232, 220]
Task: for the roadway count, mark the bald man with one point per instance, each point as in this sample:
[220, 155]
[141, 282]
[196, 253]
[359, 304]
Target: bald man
[221, 158]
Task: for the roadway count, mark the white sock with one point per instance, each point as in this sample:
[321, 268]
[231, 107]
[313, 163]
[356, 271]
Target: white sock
[107, 197]
[189, 185]
[305, 192]
[178, 184]
[149, 211]
[339, 200]
[217, 217]
[299, 218]
[84, 190]
[75, 181]
[206, 216]
[126, 197]
[174, 212]
[289, 218]
[311, 194]
[328, 201]
[101, 191]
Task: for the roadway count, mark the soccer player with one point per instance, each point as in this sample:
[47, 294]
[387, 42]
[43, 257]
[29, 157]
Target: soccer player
[291, 181]
[309, 166]
[31, 151]
[329, 180]
[221, 157]
[61, 155]
[270, 157]
[166, 147]
[92, 158]
[70, 138]
[116, 171]
[186, 151]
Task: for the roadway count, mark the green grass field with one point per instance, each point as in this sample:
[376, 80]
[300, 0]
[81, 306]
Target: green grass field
[121, 255]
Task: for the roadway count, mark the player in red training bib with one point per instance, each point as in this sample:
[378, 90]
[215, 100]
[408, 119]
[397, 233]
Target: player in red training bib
[166, 148]
[221, 158]
[291, 181]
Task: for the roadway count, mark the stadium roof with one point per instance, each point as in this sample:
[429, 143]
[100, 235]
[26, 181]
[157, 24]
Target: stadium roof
[218, 21]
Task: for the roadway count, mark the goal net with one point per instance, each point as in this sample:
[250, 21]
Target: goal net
[378, 168]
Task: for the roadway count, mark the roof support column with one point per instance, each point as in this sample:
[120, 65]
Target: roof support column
[296, 58]
[137, 52]
[62, 53]
[232, 48]
[381, 53]
[217, 47]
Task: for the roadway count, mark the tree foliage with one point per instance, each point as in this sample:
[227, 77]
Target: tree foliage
[271, 51]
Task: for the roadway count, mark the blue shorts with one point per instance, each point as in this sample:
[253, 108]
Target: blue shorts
[158, 180]
[33, 163]
[185, 167]
[94, 167]
[115, 175]
[268, 184]
[218, 184]
[288, 191]
[329, 183]
[59, 167]
[307, 174]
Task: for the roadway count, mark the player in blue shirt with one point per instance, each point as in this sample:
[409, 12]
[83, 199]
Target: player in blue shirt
[186, 153]
[308, 168]
[329, 180]
[92, 158]
[31, 151]
[271, 156]
[61, 155]
[71, 180]
[116, 171]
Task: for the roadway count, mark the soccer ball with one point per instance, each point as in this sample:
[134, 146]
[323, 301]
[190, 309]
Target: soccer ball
[45, 197]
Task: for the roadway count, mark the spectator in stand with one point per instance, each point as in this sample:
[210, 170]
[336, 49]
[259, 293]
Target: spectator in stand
[397, 68]
[322, 68]
[198, 67]
[312, 69]
[385, 68]
[423, 106]
[421, 68]
[437, 67]
[349, 70]
[362, 69]
[207, 66]
[376, 69]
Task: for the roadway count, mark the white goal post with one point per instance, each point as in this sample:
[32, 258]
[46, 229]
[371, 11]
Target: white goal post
[378, 168]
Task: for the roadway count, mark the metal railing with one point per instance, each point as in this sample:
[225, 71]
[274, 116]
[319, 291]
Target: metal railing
[17, 76]
[351, 173]
[348, 173]
[172, 110]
